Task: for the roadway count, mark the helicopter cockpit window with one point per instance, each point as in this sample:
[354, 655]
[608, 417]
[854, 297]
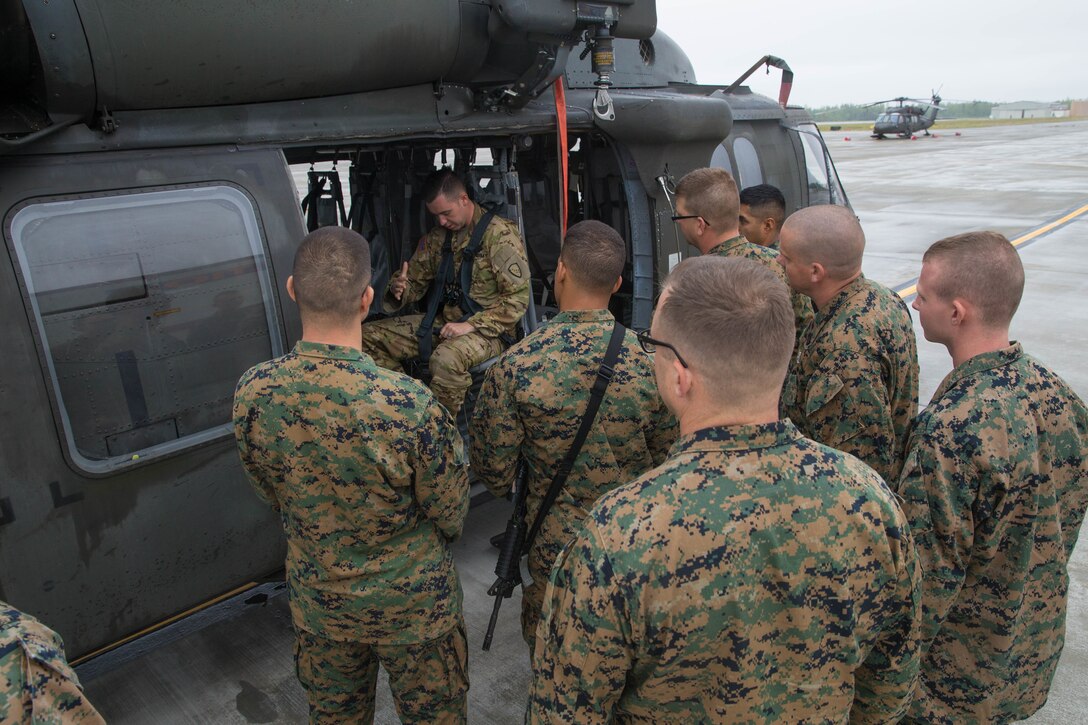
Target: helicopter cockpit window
[882, 118]
[748, 171]
[150, 306]
[824, 186]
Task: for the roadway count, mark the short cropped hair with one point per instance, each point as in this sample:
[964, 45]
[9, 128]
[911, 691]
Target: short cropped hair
[765, 201]
[830, 235]
[594, 253]
[331, 273]
[732, 321]
[443, 182]
[982, 268]
[712, 194]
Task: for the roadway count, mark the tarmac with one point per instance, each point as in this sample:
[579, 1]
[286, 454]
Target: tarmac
[235, 665]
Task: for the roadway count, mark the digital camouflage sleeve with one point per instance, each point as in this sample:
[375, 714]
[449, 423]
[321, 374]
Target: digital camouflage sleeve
[853, 380]
[36, 684]
[995, 487]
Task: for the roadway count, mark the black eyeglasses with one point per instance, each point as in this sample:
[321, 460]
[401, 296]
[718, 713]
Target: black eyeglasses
[678, 217]
[650, 345]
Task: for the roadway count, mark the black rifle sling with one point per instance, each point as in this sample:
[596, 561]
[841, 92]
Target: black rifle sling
[434, 301]
[596, 395]
[468, 256]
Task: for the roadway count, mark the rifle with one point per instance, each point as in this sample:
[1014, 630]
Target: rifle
[508, 567]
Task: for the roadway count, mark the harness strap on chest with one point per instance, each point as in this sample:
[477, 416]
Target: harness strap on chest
[435, 298]
[468, 256]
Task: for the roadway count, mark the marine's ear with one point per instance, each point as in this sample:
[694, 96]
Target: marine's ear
[366, 300]
[291, 288]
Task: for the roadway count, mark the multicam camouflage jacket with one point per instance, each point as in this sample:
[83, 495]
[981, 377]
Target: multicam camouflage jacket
[532, 402]
[36, 684]
[756, 576]
[500, 275]
[995, 486]
[740, 247]
[853, 380]
[367, 472]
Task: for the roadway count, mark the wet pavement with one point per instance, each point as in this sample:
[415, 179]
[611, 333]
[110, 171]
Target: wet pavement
[908, 194]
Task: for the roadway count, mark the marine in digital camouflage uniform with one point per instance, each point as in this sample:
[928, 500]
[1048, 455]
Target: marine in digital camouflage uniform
[500, 286]
[762, 213]
[535, 395]
[995, 487]
[36, 684]
[367, 472]
[707, 210]
[756, 576]
[853, 380]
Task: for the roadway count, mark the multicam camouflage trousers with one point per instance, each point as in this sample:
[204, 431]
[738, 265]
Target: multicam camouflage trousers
[429, 680]
[392, 341]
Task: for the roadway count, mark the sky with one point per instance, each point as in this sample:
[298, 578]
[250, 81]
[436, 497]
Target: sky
[995, 50]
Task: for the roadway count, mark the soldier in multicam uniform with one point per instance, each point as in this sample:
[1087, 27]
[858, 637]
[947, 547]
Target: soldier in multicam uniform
[36, 684]
[500, 286]
[708, 213]
[367, 471]
[533, 398]
[756, 575]
[762, 212]
[853, 380]
[995, 486]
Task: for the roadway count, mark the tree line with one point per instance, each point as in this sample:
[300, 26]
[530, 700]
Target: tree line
[855, 112]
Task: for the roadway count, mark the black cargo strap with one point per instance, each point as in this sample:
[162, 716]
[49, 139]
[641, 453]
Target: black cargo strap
[596, 395]
[468, 256]
[434, 300]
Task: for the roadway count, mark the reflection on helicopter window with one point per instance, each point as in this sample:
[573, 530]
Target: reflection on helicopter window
[818, 192]
[748, 171]
[150, 306]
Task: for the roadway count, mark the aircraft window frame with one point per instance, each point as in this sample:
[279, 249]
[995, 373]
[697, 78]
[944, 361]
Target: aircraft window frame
[240, 217]
[835, 193]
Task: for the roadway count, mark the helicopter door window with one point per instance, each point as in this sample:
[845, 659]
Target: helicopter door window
[748, 170]
[149, 307]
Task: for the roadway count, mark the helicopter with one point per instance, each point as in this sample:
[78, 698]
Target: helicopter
[907, 118]
[149, 163]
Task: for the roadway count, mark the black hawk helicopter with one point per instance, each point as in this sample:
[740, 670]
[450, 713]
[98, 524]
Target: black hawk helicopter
[150, 160]
[907, 118]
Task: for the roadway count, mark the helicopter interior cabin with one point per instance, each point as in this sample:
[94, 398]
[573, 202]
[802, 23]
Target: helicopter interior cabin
[376, 191]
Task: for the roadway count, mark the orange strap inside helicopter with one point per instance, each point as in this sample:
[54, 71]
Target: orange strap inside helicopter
[564, 153]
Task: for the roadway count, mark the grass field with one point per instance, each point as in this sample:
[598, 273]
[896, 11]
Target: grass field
[949, 123]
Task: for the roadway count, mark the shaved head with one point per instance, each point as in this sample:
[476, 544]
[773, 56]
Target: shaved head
[982, 268]
[331, 274]
[594, 254]
[829, 235]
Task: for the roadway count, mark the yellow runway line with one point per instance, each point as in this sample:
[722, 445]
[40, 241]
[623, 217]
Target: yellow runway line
[911, 288]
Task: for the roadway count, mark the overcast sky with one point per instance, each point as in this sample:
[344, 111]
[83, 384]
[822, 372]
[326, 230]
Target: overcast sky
[859, 52]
